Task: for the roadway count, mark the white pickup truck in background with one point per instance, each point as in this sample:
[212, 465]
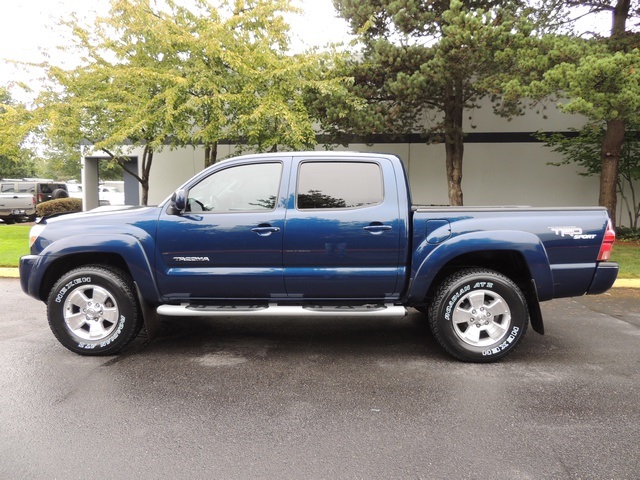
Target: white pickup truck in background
[108, 194]
[17, 207]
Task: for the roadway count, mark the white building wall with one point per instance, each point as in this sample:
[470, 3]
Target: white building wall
[493, 173]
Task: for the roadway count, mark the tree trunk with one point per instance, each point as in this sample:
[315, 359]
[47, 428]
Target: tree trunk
[620, 15]
[143, 178]
[210, 154]
[454, 140]
[610, 157]
[147, 159]
[614, 134]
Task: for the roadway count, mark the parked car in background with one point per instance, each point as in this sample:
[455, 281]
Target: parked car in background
[42, 189]
[74, 189]
[17, 207]
[108, 195]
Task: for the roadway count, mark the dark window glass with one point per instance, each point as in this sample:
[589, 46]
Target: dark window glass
[339, 185]
[244, 188]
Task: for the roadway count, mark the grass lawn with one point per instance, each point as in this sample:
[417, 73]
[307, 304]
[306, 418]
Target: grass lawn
[14, 242]
[627, 254]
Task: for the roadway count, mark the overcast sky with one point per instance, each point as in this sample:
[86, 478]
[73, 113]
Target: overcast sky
[27, 26]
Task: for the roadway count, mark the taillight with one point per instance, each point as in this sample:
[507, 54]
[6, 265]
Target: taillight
[607, 243]
[39, 198]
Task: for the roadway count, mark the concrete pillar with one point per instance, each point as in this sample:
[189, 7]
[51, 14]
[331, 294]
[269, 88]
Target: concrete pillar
[90, 194]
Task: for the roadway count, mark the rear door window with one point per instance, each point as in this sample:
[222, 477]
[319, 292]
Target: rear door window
[331, 185]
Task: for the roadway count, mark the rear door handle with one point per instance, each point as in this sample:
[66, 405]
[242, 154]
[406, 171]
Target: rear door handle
[265, 231]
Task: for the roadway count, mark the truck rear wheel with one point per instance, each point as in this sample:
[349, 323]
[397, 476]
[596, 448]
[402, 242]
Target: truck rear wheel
[478, 315]
[93, 310]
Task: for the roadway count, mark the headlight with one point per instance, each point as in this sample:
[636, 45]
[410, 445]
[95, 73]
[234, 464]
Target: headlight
[34, 233]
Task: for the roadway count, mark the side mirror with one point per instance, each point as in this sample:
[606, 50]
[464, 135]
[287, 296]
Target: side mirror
[178, 203]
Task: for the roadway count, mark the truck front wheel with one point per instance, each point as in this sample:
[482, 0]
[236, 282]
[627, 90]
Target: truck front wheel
[93, 310]
[478, 315]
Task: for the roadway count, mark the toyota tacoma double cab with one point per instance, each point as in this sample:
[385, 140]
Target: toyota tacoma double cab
[314, 233]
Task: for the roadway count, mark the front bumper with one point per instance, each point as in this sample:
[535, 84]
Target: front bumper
[26, 267]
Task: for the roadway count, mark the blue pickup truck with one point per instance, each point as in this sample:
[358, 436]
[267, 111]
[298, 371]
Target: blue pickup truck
[314, 233]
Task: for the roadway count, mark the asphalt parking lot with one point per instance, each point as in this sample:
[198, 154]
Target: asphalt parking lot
[323, 398]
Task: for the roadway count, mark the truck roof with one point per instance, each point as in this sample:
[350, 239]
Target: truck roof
[313, 154]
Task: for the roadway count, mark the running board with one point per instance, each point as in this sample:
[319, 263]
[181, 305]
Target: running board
[186, 310]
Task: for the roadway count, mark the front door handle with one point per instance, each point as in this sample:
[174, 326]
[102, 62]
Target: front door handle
[265, 231]
[377, 229]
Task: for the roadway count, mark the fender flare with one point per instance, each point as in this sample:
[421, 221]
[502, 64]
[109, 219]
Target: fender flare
[433, 260]
[126, 246]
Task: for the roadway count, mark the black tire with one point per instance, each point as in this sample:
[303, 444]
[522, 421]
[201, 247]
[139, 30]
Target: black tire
[59, 193]
[93, 310]
[8, 221]
[478, 315]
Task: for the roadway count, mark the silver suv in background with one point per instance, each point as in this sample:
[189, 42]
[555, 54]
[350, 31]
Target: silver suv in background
[41, 189]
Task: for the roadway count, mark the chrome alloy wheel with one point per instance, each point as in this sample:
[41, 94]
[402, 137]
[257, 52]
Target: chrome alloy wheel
[481, 318]
[91, 313]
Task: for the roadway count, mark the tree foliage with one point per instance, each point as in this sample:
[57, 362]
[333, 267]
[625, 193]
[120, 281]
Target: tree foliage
[584, 149]
[429, 62]
[598, 78]
[16, 160]
[157, 74]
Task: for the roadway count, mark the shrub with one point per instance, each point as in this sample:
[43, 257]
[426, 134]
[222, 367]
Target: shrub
[60, 205]
[628, 234]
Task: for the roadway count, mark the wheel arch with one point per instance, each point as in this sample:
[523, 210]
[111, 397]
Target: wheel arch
[121, 251]
[64, 264]
[519, 256]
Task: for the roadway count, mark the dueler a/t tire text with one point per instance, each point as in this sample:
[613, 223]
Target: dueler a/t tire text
[93, 310]
[478, 315]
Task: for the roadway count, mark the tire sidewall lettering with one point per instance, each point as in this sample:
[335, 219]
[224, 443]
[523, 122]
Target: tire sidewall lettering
[116, 284]
[450, 297]
[108, 341]
[504, 345]
[461, 292]
[66, 290]
[69, 285]
[454, 300]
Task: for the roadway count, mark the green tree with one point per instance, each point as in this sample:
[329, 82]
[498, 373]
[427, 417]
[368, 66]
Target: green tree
[123, 92]
[243, 85]
[16, 160]
[158, 75]
[432, 61]
[584, 149]
[598, 78]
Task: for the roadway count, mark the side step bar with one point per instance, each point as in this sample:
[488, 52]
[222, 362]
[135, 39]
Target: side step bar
[186, 310]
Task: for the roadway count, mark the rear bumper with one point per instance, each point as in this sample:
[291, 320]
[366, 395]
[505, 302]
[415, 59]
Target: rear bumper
[605, 276]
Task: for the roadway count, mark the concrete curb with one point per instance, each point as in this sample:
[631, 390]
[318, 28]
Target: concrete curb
[620, 283]
[9, 272]
[627, 283]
